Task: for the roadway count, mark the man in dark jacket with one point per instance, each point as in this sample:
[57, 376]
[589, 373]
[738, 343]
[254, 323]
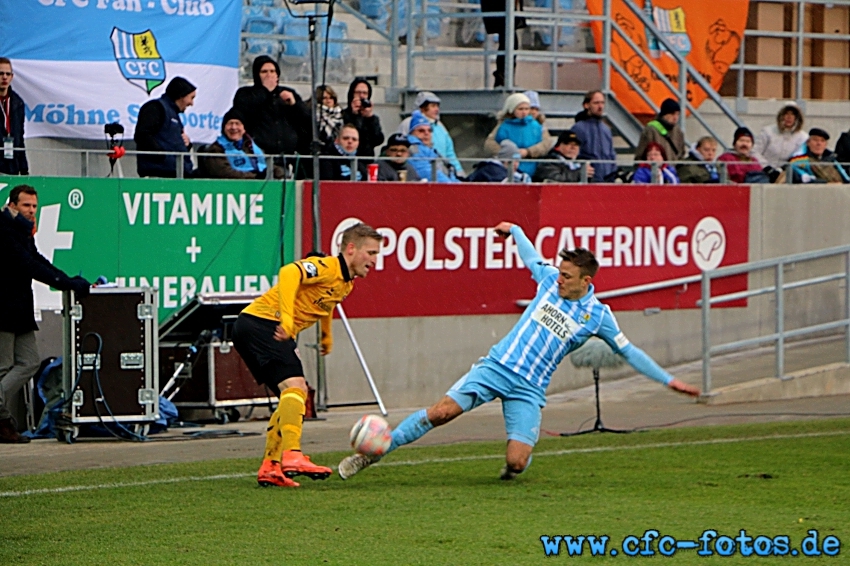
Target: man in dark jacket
[12, 162]
[21, 264]
[159, 129]
[361, 113]
[345, 145]
[700, 167]
[595, 137]
[563, 168]
[396, 168]
[275, 116]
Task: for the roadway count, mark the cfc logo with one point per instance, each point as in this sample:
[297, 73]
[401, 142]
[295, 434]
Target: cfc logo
[138, 58]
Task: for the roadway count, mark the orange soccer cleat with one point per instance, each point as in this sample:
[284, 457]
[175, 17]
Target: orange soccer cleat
[294, 463]
[270, 475]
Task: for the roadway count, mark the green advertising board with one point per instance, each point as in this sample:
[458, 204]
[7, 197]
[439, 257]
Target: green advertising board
[180, 236]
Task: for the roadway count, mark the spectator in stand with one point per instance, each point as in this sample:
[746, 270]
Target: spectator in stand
[241, 158]
[534, 104]
[501, 168]
[329, 113]
[665, 131]
[274, 116]
[159, 129]
[396, 167]
[563, 168]
[742, 166]
[14, 159]
[816, 164]
[345, 145]
[700, 167]
[517, 125]
[665, 173]
[422, 152]
[776, 144]
[429, 104]
[361, 113]
[496, 24]
[594, 135]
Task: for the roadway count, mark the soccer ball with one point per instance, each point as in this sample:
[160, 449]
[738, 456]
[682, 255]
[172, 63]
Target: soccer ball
[371, 435]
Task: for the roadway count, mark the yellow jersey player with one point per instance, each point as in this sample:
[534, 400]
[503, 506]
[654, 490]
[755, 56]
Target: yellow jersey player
[264, 334]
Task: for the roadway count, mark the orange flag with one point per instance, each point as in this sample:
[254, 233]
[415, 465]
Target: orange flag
[707, 33]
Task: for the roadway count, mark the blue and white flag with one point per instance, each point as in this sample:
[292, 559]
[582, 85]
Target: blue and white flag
[80, 64]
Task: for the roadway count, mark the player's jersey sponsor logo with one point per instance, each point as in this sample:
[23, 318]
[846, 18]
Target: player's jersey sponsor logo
[310, 269]
[555, 320]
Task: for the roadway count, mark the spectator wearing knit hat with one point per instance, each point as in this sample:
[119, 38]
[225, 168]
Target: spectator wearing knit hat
[563, 167]
[158, 128]
[429, 105]
[517, 125]
[740, 160]
[816, 164]
[423, 154]
[775, 144]
[240, 157]
[665, 131]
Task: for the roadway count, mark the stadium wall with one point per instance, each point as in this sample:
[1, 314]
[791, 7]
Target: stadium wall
[415, 360]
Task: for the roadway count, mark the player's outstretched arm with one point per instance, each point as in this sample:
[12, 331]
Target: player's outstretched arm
[530, 258]
[609, 331]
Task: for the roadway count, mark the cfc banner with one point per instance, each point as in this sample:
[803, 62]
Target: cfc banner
[707, 34]
[441, 257]
[80, 64]
[181, 237]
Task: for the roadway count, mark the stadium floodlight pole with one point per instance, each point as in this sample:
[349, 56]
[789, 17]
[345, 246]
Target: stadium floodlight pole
[596, 354]
[315, 147]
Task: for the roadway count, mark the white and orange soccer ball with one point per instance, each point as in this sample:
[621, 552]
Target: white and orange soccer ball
[371, 435]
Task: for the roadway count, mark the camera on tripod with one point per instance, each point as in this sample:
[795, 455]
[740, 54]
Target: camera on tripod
[113, 129]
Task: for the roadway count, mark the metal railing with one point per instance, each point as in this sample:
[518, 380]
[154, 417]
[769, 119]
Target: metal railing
[780, 334]
[798, 37]
[90, 159]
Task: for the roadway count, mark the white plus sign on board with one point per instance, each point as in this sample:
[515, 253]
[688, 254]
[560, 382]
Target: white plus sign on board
[193, 249]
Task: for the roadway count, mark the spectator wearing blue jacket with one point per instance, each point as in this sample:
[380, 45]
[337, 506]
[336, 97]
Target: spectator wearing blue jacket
[517, 124]
[595, 137]
[429, 104]
[422, 152]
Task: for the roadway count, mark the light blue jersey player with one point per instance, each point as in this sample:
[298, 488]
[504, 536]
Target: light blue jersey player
[564, 314]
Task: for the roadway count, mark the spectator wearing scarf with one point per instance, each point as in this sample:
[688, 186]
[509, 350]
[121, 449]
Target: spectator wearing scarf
[242, 159]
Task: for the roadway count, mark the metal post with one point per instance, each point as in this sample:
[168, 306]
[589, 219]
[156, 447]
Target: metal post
[509, 44]
[724, 172]
[394, 45]
[780, 320]
[654, 171]
[179, 165]
[353, 175]
[847, 303]
[433, 170]
[84, 164]
[583, 177]
[801, 18]
[361, 359]
[789, 174]
[741, 61]
[706, 332]
[606, 48]
[411, 43]
[683, 94]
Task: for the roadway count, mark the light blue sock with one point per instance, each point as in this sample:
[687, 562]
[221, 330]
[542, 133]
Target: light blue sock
[412, 428]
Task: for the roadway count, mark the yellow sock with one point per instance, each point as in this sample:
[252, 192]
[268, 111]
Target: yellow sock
[274, 439]
[291, 417]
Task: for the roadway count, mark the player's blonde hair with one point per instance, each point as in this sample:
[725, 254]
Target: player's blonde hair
[358, 233]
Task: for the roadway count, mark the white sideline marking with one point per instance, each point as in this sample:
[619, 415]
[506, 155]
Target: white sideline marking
[73, 488]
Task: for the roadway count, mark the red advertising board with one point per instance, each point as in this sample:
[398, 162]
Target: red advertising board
[440, 256]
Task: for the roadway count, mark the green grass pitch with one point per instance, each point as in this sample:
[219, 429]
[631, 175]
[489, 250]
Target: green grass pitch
[444, 505]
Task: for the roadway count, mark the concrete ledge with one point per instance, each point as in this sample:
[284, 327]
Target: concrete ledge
[831, 379]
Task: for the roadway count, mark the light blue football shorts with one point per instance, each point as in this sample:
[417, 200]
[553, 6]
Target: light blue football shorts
[521, 400]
